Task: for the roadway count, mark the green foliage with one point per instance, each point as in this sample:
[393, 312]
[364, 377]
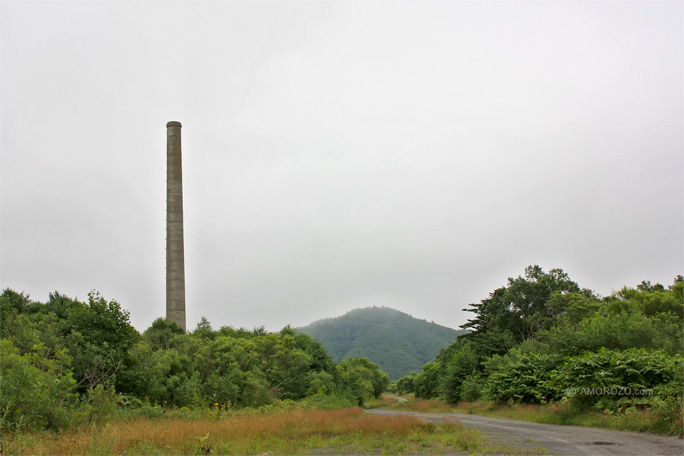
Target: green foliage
[617, 379]
[288, 368]
[398, 343]
[162, 332]
[321, 383]
[616, 328]
[102, 323]
[472, 386]
[12, 302]
[521, 378]
[67, 362]
[541, 336]
[407, 384]
[533, 341]
[100, 404]
[462, 363]
[521, 309]
[35, 390]
[99, 335]
[362, 379]
[426, 384]
[655, 299]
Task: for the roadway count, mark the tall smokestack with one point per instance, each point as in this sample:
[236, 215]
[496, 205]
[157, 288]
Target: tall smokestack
[175, 256]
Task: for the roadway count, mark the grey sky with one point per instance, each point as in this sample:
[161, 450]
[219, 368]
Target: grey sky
[339, 154]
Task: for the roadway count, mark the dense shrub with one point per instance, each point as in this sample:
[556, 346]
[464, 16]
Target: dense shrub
[68, 362]
[617, 326]
[617, 379]
[522, 378]
[361, 379]
[426, 384]
[407, 384]
[36, 391]
[462, 363]
[541, 336]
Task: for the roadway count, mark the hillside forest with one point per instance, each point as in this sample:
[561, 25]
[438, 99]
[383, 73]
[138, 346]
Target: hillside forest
[395, 341]
[542, 338]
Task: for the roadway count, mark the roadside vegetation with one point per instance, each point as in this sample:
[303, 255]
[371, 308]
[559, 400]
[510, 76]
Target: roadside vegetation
[65, 364]
[77, 378]
[562, 413]
[283, 429]
[546, 348]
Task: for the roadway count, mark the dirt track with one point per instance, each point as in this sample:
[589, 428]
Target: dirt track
[559, 440]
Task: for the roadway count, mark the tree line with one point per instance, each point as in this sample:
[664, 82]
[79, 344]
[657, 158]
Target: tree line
[65, 362]
[542, 338]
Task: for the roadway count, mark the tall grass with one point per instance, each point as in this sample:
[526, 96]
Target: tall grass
[292, 431]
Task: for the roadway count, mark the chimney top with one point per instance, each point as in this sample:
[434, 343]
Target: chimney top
[173, 123]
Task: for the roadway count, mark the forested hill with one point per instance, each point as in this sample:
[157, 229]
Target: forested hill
[398, 343]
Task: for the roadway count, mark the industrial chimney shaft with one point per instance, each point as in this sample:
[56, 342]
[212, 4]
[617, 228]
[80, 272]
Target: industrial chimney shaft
[175, 255]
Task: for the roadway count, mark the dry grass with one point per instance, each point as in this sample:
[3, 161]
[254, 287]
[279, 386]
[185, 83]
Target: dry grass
[424, 406]
[525, 412]
[557, 413]
[288, 432]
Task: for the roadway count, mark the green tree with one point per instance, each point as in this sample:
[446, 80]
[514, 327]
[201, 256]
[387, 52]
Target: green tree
[35, 390]
[522, 309]
[646, 317]
[233, 374]
[426, 384]
[407, 384]
[288, 369]
[362, 379]
[11, 301]
[320, 359]
[99, 337]
[462, 362]
[161, 333]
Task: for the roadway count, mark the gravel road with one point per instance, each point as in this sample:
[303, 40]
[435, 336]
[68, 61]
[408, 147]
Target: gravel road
[558, 440]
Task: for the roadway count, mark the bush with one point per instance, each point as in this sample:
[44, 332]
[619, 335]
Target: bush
[619, 329]
[617, 379]
[101, 404]
[522, 378]
[406, 384]
[472, 386]
[334, 401]
[462, 363]
[35, 391]
[361, 379]
[426, 384]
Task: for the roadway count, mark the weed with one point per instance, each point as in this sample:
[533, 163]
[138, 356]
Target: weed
[9, 432]
[204, 446]
[665, 421]
[289, 431]
[102, 441]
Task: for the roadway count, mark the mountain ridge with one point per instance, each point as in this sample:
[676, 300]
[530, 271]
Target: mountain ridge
[396, 341]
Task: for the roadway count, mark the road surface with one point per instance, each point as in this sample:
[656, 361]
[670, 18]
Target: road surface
[558, 440]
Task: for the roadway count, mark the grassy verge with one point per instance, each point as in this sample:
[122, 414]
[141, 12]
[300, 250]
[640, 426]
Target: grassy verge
[291, 431]
[559, 413]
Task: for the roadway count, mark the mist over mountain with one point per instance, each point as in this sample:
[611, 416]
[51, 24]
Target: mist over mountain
[397, 342]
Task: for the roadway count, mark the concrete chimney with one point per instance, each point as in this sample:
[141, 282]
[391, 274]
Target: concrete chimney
[175, 256]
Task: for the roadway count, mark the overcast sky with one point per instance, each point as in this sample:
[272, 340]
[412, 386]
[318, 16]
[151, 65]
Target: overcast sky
[339, 154]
